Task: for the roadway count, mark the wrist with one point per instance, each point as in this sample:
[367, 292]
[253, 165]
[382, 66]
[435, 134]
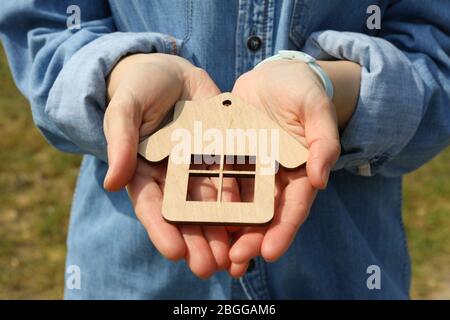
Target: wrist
[121, 68]
[310, 61]
[346, 78]
[172, 64]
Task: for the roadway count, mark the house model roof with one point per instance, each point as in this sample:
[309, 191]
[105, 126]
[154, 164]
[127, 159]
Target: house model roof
[222, 112]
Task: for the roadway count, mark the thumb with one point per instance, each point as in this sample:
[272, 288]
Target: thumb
[322, 135]
[199, 85]
[121, 127]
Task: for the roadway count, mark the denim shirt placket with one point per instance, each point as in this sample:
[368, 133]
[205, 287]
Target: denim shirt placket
[255, 18]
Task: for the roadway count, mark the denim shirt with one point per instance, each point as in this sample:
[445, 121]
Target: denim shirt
[401, 121]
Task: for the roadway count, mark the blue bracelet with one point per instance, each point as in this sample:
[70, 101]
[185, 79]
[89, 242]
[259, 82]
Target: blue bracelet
[301, 56]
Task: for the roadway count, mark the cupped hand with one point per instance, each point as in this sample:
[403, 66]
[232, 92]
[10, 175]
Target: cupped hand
[142, 88]
[292, 95]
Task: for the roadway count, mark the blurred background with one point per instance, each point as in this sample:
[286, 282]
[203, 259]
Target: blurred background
[36, 185]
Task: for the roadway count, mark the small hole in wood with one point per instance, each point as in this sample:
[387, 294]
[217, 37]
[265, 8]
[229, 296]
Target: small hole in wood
[226, 103]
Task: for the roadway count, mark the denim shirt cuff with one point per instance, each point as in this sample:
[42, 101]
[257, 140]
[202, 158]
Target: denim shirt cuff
[77, 99]
[390, 103]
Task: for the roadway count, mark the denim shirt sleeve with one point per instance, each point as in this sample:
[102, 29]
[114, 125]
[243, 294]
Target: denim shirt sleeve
[62, 72]
[402, 118]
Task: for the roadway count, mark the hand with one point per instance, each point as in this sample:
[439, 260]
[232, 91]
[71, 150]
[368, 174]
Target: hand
[292, 94]
[142, 88]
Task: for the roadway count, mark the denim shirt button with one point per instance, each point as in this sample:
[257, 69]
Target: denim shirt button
[254, 43]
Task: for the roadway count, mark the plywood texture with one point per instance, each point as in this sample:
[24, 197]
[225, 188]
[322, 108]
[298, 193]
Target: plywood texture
[218, 115]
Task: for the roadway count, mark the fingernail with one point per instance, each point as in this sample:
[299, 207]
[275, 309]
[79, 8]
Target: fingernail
[325, 176]
[106, 179]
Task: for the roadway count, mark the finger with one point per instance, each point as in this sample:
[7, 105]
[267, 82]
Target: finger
[248, 241]
[322, 136]
[199, 256]
[121, 127]
[247, 245]
[237, 270]
[246, 189]
[146, 196]
[205, 189]
[291, 212]
[217, 237]
[230, 187]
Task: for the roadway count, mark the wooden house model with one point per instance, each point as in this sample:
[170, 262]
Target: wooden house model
[203, 130]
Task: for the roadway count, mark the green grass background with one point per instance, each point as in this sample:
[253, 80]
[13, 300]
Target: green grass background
[36, 185]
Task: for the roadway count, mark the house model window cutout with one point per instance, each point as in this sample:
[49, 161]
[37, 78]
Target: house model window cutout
[227, 141]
